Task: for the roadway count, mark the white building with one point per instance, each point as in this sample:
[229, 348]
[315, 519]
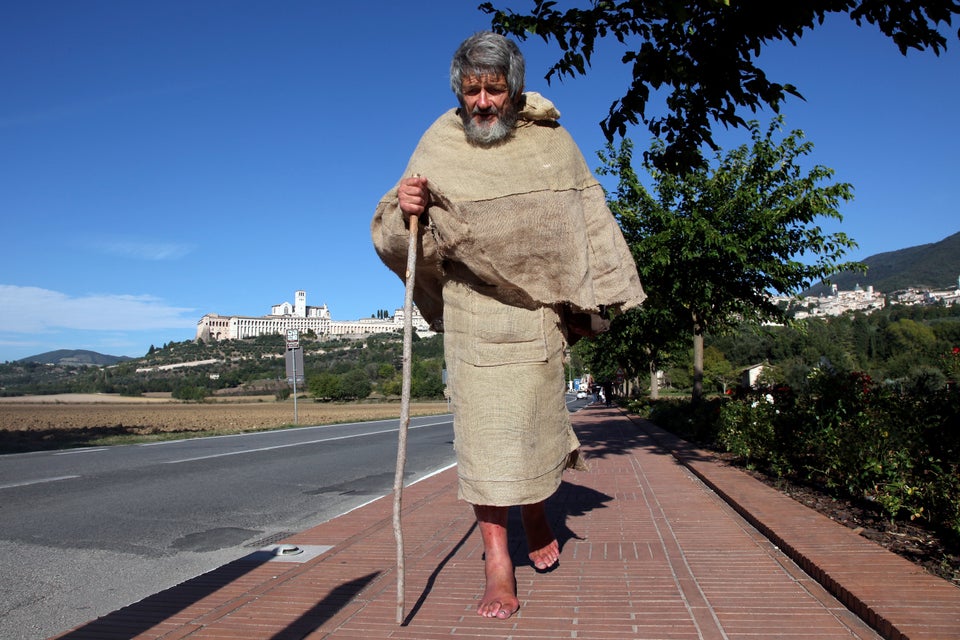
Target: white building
[213, 327]
[839, 302]
[835, 303]
[928, 296]
[866, 300]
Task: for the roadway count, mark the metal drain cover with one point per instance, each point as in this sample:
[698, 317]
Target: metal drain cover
[287, 553]
[289, 550]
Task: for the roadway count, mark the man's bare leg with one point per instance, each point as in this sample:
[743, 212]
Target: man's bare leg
[543, 549]
[500, 595]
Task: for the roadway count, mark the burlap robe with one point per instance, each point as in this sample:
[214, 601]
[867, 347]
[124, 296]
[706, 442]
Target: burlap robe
[517, 233]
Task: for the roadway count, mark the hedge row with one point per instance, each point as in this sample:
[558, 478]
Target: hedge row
[846, 433]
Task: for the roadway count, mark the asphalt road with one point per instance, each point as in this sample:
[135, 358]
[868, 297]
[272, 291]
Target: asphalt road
[84, 532]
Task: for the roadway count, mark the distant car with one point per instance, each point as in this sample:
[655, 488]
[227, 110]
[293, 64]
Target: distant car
[581, 395]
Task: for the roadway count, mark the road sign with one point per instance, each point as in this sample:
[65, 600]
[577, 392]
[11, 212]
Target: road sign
[295, 373]
[293, 339]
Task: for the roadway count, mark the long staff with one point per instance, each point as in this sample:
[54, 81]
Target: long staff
[404, 408]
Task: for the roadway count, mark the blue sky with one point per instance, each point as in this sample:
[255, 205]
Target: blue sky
[163, 160]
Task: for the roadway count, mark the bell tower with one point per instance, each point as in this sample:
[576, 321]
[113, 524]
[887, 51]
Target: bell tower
[300, 304]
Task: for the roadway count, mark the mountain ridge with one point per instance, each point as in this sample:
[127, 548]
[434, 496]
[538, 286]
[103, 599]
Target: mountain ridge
[935, 265]
[76, 357]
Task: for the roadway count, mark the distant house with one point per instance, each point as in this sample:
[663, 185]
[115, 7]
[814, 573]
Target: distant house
[750, 375]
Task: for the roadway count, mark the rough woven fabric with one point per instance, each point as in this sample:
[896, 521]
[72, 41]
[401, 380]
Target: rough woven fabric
[517, 233]
[512, 432]
[525, 216]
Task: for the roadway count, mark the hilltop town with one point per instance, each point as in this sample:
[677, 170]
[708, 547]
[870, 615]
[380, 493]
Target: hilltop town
[865, 300]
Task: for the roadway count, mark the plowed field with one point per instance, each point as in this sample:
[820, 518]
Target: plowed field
[70, 421]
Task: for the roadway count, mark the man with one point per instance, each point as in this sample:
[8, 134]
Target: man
[519, 251]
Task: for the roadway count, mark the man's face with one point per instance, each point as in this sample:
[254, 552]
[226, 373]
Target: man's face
[487, 112]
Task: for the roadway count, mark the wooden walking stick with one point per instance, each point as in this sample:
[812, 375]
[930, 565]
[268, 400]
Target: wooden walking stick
[404, 407]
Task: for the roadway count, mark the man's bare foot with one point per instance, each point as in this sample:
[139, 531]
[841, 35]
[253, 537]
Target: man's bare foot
[500, 596]
[500, 593]
[544, 551]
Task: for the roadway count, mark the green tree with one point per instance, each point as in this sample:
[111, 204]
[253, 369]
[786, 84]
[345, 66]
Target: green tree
[640, 342]
[324, 386]
[426, 381]
[355, 385]
[711, 244]
[909, 336]
[190, 392]
[717, 370]
[702, 53]
[910, 344]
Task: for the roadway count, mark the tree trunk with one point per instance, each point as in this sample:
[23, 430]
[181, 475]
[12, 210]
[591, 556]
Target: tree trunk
[697, 360]
[654, 384]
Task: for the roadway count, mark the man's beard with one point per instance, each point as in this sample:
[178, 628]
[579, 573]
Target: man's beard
[488, 134]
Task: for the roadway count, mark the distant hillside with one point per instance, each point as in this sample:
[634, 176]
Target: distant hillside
[252, 366]
[933, 266]
[75, 357]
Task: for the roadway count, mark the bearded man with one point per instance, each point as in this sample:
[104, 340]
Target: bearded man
[518, 255]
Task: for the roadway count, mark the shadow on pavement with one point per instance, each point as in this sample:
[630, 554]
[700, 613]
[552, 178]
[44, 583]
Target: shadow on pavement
[325, 609]
[602, 439]
[569, 501]
[154, 610]
[432, 580]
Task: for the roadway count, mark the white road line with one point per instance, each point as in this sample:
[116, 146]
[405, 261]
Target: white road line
[260, 433]
[71, 452]
[299, 444]
[372, 500]
[38, 481]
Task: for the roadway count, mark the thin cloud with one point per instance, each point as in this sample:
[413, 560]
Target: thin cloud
[36, 310]
[83, 108]
[152, 251]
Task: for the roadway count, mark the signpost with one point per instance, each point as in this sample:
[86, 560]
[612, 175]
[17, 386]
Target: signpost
[294, 354]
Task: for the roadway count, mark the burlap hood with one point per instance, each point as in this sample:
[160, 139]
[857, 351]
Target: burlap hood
[525, 220]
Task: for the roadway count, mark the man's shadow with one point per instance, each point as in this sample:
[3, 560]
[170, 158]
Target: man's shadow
[570, 501]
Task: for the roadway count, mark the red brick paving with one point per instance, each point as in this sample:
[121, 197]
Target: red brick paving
[654, 546]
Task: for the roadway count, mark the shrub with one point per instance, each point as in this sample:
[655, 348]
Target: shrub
[694, 421]
[898, 449]
[190, 393]
[746, 429]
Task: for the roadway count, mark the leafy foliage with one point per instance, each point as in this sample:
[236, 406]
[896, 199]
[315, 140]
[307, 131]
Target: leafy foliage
[873, 344]
[712, 243]
[898, 450]
[702, 54]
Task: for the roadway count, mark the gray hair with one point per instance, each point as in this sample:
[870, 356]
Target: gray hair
[487, 53]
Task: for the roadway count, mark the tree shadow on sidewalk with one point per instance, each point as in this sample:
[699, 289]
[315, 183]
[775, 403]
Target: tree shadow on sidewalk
[613, 433]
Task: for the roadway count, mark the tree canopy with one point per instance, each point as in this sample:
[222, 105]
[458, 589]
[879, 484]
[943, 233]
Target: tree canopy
[702, 52]
[713, 244]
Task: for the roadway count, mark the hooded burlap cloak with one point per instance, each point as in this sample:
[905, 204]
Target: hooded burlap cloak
[518, 235]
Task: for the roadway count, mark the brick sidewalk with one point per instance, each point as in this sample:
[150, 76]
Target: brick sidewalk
[649, 550]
